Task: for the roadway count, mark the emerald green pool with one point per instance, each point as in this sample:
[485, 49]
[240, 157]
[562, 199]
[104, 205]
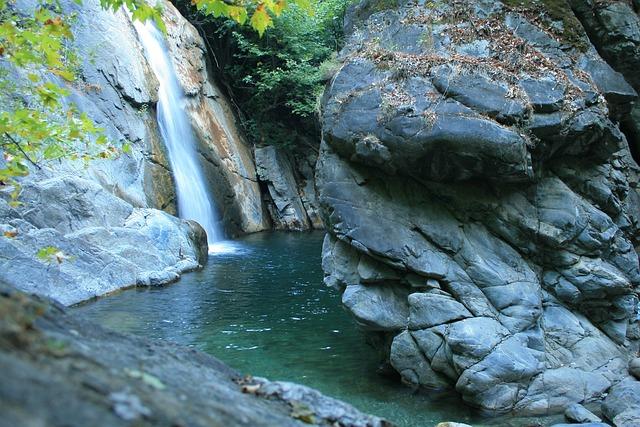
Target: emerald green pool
[262, 308]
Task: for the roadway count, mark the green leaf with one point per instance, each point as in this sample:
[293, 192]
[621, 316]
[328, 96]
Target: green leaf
[45, 254]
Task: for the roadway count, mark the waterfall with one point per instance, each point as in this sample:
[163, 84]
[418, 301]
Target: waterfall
[193, 199]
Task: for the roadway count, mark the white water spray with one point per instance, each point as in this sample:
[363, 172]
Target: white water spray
[193, 199]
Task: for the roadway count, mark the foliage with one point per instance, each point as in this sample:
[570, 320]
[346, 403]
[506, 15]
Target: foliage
[51, 255]
[36, 125]
[277, 79]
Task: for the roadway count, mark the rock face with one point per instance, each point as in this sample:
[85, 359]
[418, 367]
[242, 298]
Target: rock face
[224, 153]
[59, 369]
[291, 193]
[102, 242]
[481, 201]
[614, 29]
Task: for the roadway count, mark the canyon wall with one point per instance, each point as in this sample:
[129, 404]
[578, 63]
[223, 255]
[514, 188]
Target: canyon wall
[481, 200]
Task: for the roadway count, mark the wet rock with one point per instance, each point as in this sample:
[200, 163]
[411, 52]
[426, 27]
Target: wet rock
[225, 155]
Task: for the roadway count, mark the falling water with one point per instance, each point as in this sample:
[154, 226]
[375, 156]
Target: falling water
[193, 199]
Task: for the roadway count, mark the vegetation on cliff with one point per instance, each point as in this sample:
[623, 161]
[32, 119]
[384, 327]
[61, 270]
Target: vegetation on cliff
[276, 80]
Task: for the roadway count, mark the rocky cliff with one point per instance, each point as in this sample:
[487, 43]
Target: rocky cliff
[106, 218]
[102, 218]
[481, 200]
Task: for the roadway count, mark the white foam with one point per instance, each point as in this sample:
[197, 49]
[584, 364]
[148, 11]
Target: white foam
[227, 247]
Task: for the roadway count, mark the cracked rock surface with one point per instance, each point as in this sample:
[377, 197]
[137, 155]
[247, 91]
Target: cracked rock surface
[482, 203]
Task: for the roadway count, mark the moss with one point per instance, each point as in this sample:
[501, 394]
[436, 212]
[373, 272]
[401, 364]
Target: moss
[557, 10]
[380, 5]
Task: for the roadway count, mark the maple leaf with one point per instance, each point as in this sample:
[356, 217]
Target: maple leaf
[261, 20]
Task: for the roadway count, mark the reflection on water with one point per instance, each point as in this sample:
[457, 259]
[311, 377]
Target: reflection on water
[262, 308]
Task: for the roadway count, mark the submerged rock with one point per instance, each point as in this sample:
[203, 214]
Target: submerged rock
[59, 369]
[479, 179]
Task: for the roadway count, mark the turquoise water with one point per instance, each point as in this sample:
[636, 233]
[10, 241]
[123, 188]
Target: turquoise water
[264, 310]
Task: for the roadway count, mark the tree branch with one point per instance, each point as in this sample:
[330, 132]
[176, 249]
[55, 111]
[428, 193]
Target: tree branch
[26, 156]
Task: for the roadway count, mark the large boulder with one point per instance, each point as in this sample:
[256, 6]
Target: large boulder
[71, 240]
[481, 204]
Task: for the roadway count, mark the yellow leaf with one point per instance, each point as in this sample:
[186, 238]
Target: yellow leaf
[65, 74]
[261, 20]
[238, 14]
[10, 234]
[279, 7]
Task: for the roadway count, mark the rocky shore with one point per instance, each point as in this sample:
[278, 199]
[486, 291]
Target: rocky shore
[60, 370]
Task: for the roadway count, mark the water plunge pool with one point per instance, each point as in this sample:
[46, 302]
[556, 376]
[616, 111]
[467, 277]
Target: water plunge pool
[263, 309]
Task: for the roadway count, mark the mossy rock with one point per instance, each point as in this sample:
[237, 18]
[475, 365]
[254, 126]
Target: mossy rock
[572, 31]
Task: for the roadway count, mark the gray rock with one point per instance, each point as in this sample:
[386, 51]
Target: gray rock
[579, 414]
[320, 408]
[505, 196]
[378, 308]
[452, 424]
[68, 204]
[634, 367]
[275, 170]
[614, 28]
[546, 96]
[582, 425]
[481, 94]
[414, 368]
[431, 309]
[623, 401]
[612, 84]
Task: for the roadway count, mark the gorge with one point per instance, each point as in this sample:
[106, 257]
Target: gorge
[193, 196]
[476, 178]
